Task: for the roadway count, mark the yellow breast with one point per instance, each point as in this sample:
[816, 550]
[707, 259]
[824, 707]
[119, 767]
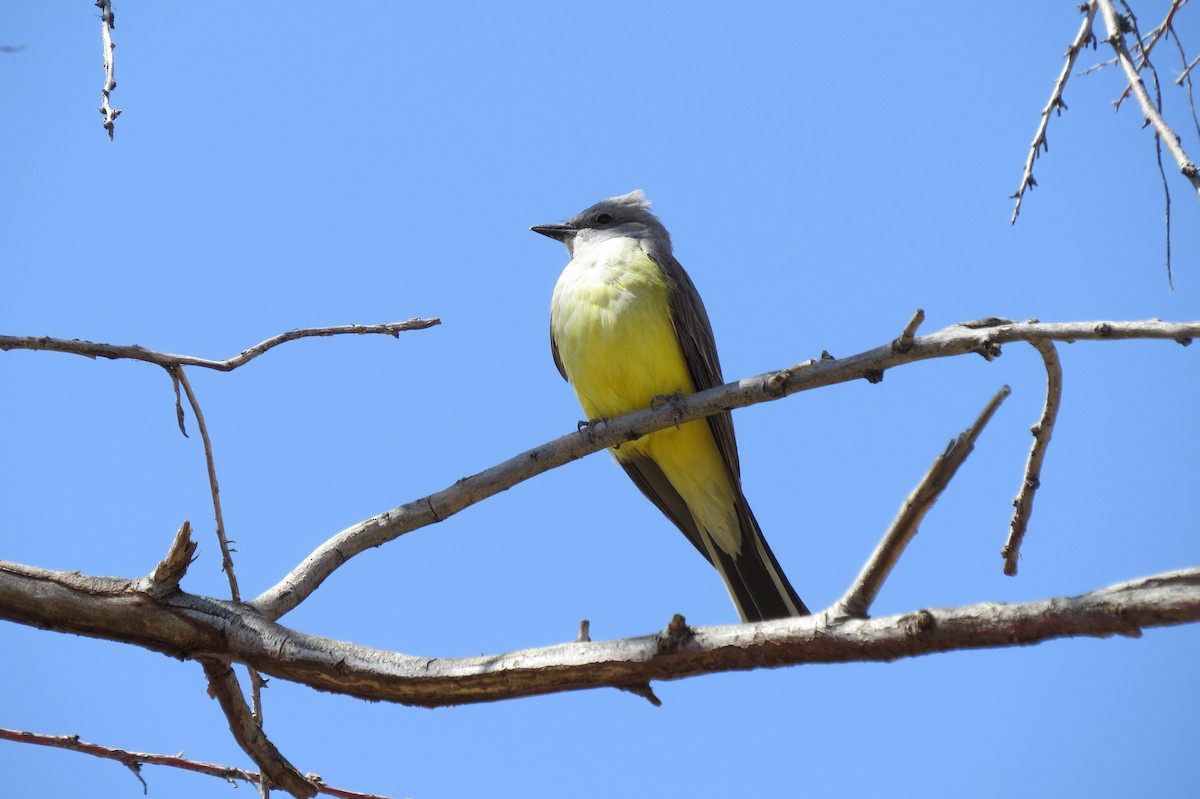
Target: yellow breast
[611, 320]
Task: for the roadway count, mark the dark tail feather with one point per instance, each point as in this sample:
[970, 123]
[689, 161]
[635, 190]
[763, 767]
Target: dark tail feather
[759, 588]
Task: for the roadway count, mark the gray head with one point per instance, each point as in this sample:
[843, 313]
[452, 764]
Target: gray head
[627, 216]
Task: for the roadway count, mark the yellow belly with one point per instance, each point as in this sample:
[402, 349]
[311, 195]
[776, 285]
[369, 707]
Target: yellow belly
[612, 324]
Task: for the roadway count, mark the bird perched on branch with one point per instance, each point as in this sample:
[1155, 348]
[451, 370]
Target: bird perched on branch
[627, 326]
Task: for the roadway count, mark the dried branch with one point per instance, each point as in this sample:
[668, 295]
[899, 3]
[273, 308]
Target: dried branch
[1037, 454]
[1116, 38]
[1185, 78]
[271, 769]
[983, 337]
[858, 598]
[223, 684]
[107, 24]
[905, 341]
[170, 570]
[1187, 71]
[1056, 105]
[183, 625]
[189, 626]
[89, 349]
[135, 760]
[178, 377]
[1146, 44]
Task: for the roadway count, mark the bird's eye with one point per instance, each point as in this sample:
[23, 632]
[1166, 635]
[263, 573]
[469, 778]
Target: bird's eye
[604, 219]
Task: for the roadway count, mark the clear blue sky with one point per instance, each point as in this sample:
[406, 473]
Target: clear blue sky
[825, 170]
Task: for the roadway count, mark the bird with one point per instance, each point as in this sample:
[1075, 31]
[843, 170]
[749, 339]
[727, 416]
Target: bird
[627, 328]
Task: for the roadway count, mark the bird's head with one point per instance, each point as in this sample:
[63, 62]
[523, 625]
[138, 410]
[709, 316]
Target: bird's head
[627, 216]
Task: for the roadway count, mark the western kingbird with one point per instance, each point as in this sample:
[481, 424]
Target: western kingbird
[627, 326]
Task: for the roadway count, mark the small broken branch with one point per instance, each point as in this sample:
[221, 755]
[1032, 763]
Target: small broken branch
[170, 570]
[861, 594]
[905, 342]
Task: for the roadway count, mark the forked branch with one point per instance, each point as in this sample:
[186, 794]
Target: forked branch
[983, 337]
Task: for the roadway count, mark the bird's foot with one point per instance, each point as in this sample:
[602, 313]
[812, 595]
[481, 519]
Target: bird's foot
[674, 400]
[587, 426]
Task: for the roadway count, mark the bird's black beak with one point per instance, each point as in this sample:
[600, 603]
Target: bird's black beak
[563, 233]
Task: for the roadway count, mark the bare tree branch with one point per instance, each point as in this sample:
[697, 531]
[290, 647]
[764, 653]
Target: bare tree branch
[133, 352]
[1116, 38]
[107, 24]
[983, 337]
[223, 683]
[188, 626]
[1042, 431]
[170, 570]
[1056, 105]
[196, 627]
[1187, 71]
[178, 377]
[858, 598]
[1146, 44]
[905, 341]
[135, 760]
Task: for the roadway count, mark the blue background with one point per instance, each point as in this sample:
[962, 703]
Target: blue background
[824, 169]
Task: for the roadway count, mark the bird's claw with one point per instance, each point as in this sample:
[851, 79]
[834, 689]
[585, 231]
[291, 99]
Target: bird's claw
[674, 400]
[586, 426]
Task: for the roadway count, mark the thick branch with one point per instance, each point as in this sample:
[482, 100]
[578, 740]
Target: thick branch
[188, 626]
[982, 337]
[223, 684]
[134, 352]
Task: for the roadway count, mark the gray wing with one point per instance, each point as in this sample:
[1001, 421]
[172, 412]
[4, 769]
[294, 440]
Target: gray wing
[695, 335]
[554, 353]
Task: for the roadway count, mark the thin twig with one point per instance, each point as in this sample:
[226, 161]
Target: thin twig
[89, 349]
[180, 378]
[254, 742]
[1056, 104]
[107, 24]
[1042, 431]
[1162, 172]
[1187, 71]
[1185, 77]
[135, 760]
[1116, 38]
[1145, 45]
[862, 592]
